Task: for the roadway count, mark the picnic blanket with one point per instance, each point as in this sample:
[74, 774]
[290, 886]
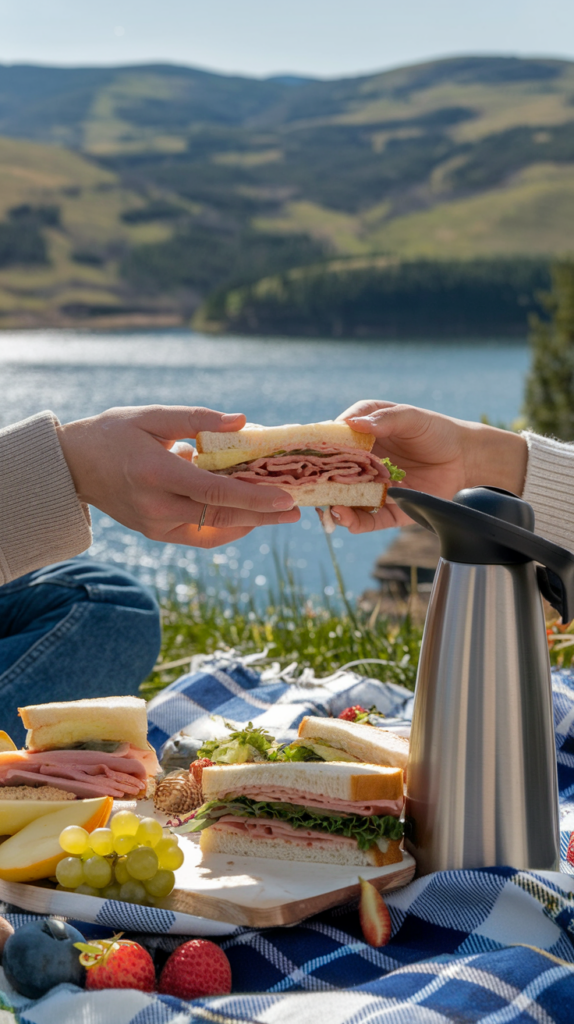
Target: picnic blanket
[493, 945]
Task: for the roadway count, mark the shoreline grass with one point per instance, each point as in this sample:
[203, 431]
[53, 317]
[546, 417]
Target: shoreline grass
[290, 626]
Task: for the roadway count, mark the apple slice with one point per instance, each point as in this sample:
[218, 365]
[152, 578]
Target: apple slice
[35, 851]
[6, 742]
[16, 814]
[374, 915]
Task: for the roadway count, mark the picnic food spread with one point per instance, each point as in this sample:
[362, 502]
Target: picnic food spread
[263, 799]
[316, 463]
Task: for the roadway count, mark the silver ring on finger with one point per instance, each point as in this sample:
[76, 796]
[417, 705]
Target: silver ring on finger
[202, 517]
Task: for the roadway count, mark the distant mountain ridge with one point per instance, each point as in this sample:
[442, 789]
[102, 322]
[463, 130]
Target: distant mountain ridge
[184, 181]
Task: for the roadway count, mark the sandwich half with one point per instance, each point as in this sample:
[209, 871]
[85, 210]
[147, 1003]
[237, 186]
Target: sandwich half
[316, 463]
[325, 813]
[88, 748]
[333, 739]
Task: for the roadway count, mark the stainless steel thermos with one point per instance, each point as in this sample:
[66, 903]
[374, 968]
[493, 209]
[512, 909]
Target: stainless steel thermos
[481, 782]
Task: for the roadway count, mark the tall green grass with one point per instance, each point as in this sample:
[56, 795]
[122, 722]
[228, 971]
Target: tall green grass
[289, 626]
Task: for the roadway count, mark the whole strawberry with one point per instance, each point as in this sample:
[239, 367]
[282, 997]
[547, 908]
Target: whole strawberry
[117, 963]
[198, 968]
[350, 714]
[356, 713]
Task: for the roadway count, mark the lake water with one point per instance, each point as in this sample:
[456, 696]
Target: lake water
[78, 373]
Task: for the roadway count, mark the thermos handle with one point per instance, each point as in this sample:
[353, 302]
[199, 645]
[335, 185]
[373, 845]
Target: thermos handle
[474, 537]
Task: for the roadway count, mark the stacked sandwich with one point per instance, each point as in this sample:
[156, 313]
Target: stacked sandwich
[316, 463]
[81, 748]
[336, 813]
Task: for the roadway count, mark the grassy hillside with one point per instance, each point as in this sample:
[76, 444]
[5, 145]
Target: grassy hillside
[173, 184]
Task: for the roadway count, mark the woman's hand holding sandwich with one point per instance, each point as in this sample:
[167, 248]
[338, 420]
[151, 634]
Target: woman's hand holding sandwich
[130, 463]
[439, 454]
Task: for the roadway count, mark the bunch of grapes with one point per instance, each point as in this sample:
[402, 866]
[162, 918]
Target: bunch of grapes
[132, 860]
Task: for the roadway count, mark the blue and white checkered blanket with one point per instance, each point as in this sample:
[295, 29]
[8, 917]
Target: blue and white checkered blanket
[493, 945]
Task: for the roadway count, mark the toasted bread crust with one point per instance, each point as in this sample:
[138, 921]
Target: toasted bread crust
[377, 787]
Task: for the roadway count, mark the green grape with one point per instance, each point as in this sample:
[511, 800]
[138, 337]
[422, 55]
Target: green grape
[169, 855]
[97, 872]
[161, 884]
[149, 832]
[111, 892]
[87, 890]
[74, 839]
[124, 823]
[70, 872]
[121, 872]
[123, 844]
[142, 863]
[88, 852]
[101, 841]
[133, 892]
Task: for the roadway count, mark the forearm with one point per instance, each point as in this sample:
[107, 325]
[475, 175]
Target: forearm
[41, 518]
[493, 457]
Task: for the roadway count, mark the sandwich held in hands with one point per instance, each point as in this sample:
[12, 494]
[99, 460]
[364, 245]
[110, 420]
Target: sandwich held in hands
[83, 748]
[316, 463]
[328, 813]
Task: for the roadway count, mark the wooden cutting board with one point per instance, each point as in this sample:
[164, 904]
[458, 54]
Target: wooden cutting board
[216, 893]
[263, 893]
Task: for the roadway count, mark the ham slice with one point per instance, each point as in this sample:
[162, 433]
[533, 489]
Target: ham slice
[86, 773]
[333, 465]
[284, 795]
[264, 828]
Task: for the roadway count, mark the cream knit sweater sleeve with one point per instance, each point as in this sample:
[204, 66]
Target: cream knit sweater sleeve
[549, 488]
[41, 518]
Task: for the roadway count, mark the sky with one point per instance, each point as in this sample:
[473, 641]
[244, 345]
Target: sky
[323, 38]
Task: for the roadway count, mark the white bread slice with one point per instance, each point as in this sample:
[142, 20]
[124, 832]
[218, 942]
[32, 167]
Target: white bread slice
[370, 495]
[336, 780]
[375, 746]
[217, 450]
[65, 723]
[238, 844]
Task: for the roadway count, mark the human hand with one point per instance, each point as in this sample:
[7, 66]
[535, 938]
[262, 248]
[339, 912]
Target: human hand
[440, 455]
[129, 463]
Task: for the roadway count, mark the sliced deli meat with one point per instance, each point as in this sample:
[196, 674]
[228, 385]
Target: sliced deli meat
[282, 794]
[86, 773]
[327, 465]
[263, 828]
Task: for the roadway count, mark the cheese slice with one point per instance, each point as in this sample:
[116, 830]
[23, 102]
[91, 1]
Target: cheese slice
[224, 458]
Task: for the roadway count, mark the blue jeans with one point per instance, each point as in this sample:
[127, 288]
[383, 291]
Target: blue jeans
[74, 629]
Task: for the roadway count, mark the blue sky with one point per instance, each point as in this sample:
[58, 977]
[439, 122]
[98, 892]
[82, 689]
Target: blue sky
[259, 37]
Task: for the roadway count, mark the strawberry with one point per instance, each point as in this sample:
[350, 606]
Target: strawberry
[356, 713]
[350, 714]
[117, 963]
[196, 768]
[374, 915]
[198, 968]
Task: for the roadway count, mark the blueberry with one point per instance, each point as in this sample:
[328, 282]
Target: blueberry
[40, 955]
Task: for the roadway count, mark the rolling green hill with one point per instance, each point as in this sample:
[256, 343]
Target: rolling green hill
[173, 184]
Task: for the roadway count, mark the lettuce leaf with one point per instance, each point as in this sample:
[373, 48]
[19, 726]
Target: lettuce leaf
[241, 746]
[365, 829]
[395, 473]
